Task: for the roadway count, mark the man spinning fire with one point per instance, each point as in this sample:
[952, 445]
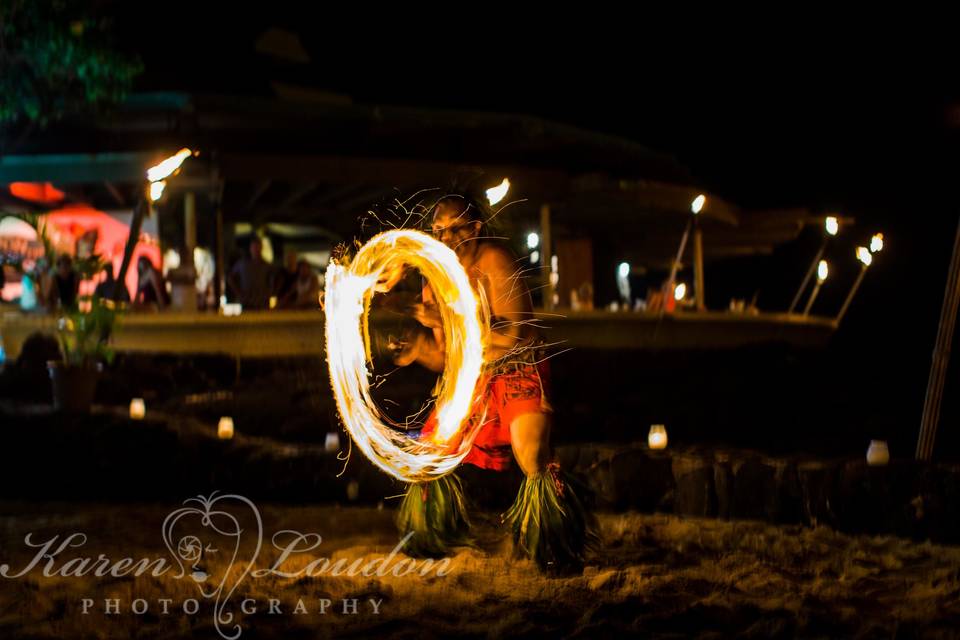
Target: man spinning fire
[548, 521]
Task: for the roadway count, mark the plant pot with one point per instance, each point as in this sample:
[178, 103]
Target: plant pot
[73, 387]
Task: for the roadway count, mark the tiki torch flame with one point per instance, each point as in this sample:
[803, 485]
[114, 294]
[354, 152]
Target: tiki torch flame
[156, 190]
[863, 255]
[823, 269]
[680, 292]
[166, 168]
[876, 243]
[832, 225]
[697, 205]
[499, 192]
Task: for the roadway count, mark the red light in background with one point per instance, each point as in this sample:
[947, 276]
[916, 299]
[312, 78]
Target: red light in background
[41, 192]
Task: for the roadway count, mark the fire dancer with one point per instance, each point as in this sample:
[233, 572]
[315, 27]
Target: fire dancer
[547, 519]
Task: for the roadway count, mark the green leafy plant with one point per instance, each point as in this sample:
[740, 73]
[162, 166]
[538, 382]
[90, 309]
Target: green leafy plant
[84, 333]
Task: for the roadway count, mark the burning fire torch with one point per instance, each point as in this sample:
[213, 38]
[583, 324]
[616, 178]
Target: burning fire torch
[156, 182]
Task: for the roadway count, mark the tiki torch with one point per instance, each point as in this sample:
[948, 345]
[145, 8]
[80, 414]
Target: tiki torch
[823, 269]
[695, 207]
[156, 182]
[832, 226]
[866, 259]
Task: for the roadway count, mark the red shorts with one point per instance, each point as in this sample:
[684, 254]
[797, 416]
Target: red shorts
[506, 395]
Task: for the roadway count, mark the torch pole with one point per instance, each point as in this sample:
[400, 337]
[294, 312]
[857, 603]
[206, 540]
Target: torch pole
[941, 357]
[853, 291]
[676, 261]
[135, 225]
[813, 296]
[810, 272]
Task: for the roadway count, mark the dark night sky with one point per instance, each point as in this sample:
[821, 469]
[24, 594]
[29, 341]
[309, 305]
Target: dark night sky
[851, 118]
[818, 117]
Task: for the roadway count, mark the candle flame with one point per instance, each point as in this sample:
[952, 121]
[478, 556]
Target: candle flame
[465, 320]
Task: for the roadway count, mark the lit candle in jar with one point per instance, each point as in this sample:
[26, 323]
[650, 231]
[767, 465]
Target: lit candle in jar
[137, 409]
[332, 443]
[225, 428]
[878, 454]
[657, 438]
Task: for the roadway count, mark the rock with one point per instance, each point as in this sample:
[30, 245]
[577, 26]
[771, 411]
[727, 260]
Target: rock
[816, 481]
[694, 492]
[789, 494]
[754, 490]
[641, 479]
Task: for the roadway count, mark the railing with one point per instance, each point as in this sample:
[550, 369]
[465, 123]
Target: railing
[294, 333]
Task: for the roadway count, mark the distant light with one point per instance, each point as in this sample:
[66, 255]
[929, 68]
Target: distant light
[533, 240]
[822, 270]
[698, 203]
[166, 168]
[42, 192]
[680, 292]
[171, 260]
[232, 309]
[499, 192]
[832, 225]
[535, 257]
[623, 270]
[863, 255]
[876, 243]
[156, 190]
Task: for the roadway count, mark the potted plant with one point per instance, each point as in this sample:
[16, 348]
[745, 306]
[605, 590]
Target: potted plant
[84, 336]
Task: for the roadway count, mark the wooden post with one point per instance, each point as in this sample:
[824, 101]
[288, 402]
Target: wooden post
[941, 357]
[698, 266]
[546, 255]
[189, 227]
[219, 278]
[219, 282]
